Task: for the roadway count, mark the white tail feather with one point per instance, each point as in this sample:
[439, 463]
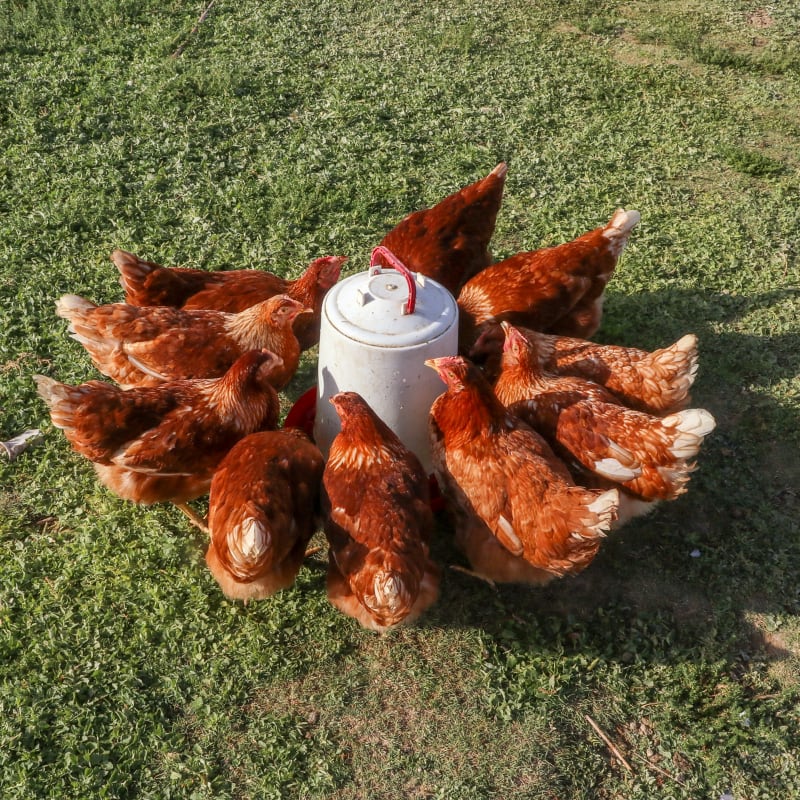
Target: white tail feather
[696, 421]
[605, 507]
[622, 223]
[689, 427]
[679, 358]
[48, 388]
[612, 469]
[132, 270]
[69, 305]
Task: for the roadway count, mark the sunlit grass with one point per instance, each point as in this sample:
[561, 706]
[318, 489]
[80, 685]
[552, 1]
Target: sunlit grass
[286, 131]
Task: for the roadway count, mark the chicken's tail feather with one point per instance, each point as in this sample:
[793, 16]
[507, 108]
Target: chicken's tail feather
[49, 389]
[618, 230]
[70, 306]
[132, 270]
[61, 400]
[75, 309]
[86, 333]
[587, 516]
[591, 512]
[621, 224]
[669, 373]
[689, 429]
[675, 478]
[604, 508]
[667, 473]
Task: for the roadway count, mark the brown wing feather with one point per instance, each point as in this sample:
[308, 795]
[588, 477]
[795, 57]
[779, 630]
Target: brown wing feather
[237, 290]
[449, 241]
[378, 521]
[262, 512]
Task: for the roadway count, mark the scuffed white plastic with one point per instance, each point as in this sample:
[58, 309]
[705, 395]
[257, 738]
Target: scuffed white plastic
[370, 345]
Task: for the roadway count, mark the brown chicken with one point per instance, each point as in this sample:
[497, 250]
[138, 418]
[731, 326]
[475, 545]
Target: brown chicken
[656, 382]
[518, 515]
[262, 511]
[649, 456]
[150, 284]
[557, 289]
[449, 242]
[145, 346]
[163, 443]
[378, 522]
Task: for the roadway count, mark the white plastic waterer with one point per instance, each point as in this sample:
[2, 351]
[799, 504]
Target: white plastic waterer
[377, 329]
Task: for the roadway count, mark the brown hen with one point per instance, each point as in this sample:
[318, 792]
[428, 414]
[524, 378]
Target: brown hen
[150, 284]
[656, 382]
[518, 514]
[649, 456]
[449, 242]
[557, 289]
[378, 522]
[145, 346]
[163, 443]
[262, 511]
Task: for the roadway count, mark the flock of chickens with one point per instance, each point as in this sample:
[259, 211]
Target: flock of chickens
[542, 441]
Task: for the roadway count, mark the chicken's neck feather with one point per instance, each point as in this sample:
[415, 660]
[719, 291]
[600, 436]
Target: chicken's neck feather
[251, 330]
[466, 414]
[236, 403]
[522, 381]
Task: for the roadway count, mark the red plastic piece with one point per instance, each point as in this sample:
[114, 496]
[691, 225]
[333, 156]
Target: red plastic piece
[395, 263]
[437, 500]
[301, 414]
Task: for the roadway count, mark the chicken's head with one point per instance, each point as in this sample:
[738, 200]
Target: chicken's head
[282, 309]
[329, 268]
[515, 347]
[358, 419]
[455, 371]
[254, 368]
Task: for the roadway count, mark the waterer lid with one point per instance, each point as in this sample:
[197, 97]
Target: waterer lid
[394, 308]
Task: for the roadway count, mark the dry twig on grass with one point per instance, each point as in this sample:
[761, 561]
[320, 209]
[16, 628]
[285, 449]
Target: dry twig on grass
[618, 755]
[181, 47]
[608, 743]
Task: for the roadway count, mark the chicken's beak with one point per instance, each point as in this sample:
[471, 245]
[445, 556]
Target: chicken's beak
[433, 363]
[508, 332]
[334, 401]
[296, 312]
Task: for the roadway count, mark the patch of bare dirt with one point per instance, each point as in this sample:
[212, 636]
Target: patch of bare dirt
[760, 18]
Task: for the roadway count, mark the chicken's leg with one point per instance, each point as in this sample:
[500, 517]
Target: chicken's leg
[195, 518]
[472, 574]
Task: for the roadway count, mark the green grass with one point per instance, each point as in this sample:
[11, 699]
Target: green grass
[289, 130]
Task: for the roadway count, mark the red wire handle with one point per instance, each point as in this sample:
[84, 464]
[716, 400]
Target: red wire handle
[395, 263]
